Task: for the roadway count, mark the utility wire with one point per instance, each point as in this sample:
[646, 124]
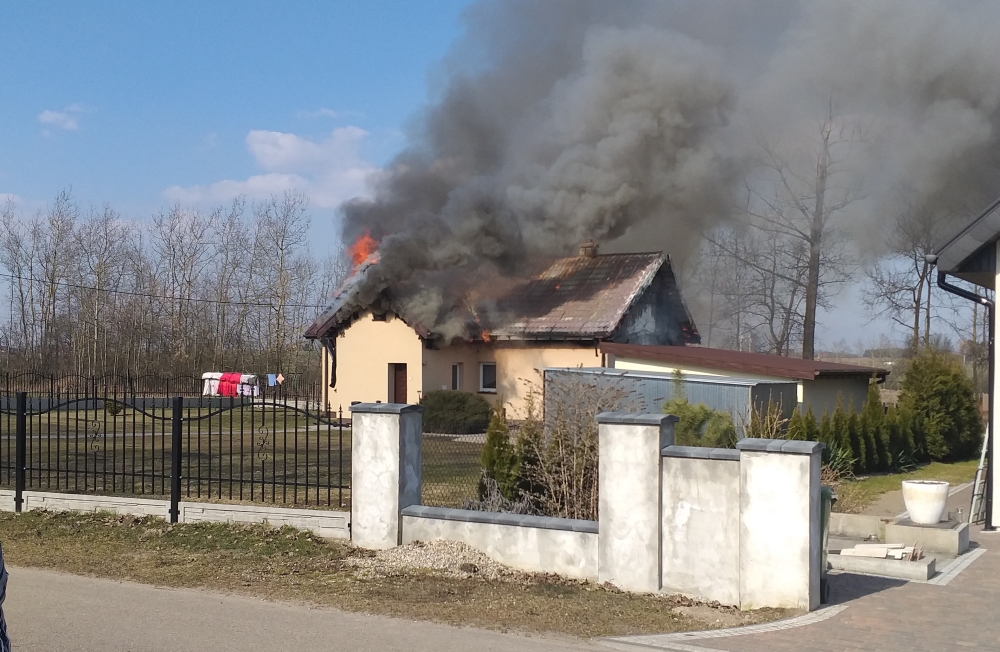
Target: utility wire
[78, 286]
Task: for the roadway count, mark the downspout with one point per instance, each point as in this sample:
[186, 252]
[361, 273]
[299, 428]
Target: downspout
[330, 343]
[942, 281]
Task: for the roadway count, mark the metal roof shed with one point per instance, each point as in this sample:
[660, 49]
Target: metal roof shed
[650, 390]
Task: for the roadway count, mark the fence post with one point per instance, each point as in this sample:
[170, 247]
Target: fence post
[20, 449]
[176, 423]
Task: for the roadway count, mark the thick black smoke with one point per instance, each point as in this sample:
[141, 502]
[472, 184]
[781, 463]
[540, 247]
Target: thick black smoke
[638, 124]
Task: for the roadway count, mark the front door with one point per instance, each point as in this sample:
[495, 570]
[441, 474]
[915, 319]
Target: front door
[399, 383]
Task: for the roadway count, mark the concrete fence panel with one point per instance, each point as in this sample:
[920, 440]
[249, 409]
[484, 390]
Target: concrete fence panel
[530, 543]
[700, 539]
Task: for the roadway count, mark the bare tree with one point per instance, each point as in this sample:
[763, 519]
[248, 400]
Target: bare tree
[800, 200]
[900, 285]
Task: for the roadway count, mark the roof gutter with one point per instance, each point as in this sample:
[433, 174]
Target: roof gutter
[942, 281]
[971, 225]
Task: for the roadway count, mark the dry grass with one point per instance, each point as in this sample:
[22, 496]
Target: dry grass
[293, 565]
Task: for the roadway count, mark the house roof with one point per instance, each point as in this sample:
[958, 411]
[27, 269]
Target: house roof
[580, 297]
[584, 297]
[970, 253]
[741, 361]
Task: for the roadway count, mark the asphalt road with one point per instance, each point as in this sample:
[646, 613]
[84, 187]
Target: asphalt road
[50, 612]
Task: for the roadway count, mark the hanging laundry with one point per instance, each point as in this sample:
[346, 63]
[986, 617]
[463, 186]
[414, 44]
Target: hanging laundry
[248, 385]
[280, 379]
[228, 383]
[210, 383]
[272, 380]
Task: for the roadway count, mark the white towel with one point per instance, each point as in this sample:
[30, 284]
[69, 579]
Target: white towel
[210, 385]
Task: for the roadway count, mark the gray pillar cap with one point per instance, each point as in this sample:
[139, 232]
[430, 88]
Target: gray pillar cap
[385, 408]
[635, 418]
[780, 446]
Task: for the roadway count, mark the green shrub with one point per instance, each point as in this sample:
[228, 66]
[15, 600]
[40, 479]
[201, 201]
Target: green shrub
[459, 413]
[797, 427]
[699, 425]
[499, 459]
[943, 402]
[872, 423]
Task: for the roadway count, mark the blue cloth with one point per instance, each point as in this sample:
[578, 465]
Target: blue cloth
[272, 380]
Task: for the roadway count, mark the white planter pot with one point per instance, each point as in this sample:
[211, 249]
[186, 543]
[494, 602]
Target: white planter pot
[925, 500]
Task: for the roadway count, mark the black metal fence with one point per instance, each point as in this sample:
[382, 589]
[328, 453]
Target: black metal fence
[268, 449]
[40, 384]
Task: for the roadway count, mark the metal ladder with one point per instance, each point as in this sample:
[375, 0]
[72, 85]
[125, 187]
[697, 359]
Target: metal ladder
[977, 511]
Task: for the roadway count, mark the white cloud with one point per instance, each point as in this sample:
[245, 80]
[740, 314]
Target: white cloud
[64, 119]
[329, 171]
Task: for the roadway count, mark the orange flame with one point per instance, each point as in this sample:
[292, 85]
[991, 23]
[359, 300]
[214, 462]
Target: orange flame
[362, 248]
[485, 334]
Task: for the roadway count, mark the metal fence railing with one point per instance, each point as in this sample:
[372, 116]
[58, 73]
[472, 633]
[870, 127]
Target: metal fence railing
[275, 450]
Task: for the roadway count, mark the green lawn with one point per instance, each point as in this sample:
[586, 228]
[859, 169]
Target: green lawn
[857, 494]
[451, 470]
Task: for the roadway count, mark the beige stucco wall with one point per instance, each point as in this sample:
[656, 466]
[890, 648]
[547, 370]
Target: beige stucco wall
[367, 348]
[518, 365]
[364, 352]
[438, 362]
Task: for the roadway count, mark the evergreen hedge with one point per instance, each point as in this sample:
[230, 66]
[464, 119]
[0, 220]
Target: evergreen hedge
[455, 413]
[937, 420]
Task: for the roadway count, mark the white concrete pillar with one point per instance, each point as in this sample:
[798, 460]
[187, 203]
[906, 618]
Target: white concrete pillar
[780, 543]
[994, 394]
[385, 470]
[628, 553]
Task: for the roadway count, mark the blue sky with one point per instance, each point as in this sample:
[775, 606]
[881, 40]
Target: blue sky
[141, 104]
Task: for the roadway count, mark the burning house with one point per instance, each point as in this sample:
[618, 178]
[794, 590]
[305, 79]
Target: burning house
[490, 332]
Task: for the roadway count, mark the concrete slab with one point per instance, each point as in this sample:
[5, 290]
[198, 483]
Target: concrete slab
[920, 570]
[860, 526]
[949, 537]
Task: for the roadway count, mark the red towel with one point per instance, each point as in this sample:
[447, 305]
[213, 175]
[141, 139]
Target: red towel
[228, 383]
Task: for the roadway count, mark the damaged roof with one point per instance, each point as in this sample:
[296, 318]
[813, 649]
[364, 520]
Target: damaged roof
[765, 364]
[580, 297]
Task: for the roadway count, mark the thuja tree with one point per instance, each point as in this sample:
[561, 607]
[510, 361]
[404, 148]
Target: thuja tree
[943, 405]
[699, 425]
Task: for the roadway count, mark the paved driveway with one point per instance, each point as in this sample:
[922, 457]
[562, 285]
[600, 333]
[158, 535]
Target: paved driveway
[889, 616]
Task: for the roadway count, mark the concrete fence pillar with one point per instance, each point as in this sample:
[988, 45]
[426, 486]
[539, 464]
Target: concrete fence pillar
[629, 445]
[780, 544]
[385, 470]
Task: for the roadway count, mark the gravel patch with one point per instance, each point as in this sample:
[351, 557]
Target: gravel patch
[449, 558]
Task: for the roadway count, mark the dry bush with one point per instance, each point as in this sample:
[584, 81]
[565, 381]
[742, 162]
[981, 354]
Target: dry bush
[559, 449]
[772, 424]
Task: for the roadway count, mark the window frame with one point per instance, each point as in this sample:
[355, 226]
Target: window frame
[482, 388]
[456, 377]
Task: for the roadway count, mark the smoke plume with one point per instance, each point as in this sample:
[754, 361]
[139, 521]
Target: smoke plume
[639, 125]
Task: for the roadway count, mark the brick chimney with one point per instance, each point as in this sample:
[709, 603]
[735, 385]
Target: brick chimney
[588, 249]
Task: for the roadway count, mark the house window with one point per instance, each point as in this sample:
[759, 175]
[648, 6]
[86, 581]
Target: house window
[488, 377]
[456, 376]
